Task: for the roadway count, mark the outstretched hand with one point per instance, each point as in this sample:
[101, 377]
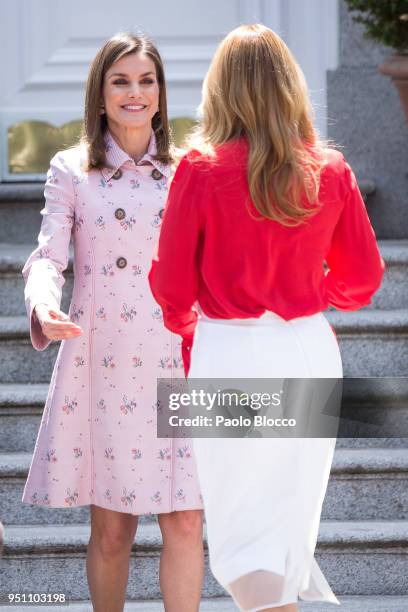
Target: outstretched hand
[55, 324]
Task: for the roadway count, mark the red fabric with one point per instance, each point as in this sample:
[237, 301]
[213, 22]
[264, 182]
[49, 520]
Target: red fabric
[212, 251]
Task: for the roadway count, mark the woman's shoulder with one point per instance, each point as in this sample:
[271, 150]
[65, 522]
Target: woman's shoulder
[334, 162]
[337, 176]
[193, 160]
[70, 160]
[219, 157]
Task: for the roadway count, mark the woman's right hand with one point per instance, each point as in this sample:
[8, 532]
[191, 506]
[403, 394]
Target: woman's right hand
[55, 324]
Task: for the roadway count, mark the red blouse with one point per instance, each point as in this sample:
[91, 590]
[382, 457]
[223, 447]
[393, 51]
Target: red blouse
[212, 251]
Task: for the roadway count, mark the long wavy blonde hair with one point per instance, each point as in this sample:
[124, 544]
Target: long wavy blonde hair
[255, 88]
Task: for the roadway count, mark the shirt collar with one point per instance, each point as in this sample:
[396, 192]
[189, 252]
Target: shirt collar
[116, 157]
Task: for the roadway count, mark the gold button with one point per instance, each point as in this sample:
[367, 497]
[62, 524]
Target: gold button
[117, 174]
[120, 213]
[156, 174]
[121, 262]
[161, 211]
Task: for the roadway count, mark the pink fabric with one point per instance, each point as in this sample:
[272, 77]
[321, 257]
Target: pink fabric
[97, 441]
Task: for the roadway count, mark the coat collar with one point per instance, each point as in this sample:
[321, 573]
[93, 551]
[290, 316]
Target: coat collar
[116, 157]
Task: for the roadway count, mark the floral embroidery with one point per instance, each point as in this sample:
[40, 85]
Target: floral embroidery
[137, 362]
[165, 363]
[45, 501]
[77, 452]
[180, 495]
[184, 453]
[156, 498]
[76, 312]
[100, 222]
[101, 313]
[103, 183]
[79, 221]
[79, 361]
[178, 362]
[128, 314]
[134, 184]
[71, 498]
[127, 498]
[69, 406]
[158, 407]
[136, 453]
[52, 176]
[108, 495]
[137, 270]
[108, 362]
[51, 456]
[108, 270]
[128, 405]
[162, 184]
[43, 253]
[101, 405]
[164, 454]
[128, 223]
[157, 314]
[87, 269]
[109, 453]
[156, 222]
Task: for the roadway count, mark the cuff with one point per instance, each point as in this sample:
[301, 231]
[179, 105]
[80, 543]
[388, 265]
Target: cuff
[39, 341]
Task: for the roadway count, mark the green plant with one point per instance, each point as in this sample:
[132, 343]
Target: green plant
[386, 21]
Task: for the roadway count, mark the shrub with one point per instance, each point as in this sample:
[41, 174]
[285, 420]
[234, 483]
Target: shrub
[386, 21]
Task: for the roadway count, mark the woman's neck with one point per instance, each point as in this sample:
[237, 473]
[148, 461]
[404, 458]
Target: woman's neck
[134, 141]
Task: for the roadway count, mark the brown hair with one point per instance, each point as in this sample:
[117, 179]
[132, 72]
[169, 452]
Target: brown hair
[95, 124]
[255, 88]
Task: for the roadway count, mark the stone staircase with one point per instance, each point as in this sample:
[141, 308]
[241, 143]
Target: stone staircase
[363, 538]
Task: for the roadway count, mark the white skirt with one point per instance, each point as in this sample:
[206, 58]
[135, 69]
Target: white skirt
[263, 497]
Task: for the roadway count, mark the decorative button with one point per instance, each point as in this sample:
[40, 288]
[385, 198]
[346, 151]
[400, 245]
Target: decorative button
[161, 211]
[118, 174]
[121, 262]
[120, 214]
[156, 174]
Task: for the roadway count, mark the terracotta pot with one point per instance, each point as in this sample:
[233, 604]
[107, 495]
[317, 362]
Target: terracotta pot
[396, 67]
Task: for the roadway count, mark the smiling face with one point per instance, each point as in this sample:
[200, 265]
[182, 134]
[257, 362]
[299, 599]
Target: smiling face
[131, 92]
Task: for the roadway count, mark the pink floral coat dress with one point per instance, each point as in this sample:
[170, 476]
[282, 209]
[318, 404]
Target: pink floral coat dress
[97, 441]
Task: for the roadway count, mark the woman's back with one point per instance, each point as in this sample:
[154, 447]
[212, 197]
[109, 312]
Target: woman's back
[230, 241]
[247, 264]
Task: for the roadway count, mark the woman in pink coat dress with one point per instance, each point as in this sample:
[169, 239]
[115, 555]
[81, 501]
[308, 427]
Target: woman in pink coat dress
[97, 443]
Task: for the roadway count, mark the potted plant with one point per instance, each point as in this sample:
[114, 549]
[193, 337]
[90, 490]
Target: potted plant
[386, 21]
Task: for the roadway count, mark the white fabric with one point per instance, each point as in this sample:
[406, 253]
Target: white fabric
[263, 497]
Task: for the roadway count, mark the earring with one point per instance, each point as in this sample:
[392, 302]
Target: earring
[101, 109]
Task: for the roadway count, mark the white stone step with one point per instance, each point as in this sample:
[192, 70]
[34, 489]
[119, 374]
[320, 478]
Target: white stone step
[369, 483]
[224, 604]
[357, 558]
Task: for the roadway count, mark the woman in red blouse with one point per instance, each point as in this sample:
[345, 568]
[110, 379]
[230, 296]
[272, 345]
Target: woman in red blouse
[264, 228]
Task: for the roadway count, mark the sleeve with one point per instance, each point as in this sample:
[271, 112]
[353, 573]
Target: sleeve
[174, 273]
[355, 265]
[42, 271]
